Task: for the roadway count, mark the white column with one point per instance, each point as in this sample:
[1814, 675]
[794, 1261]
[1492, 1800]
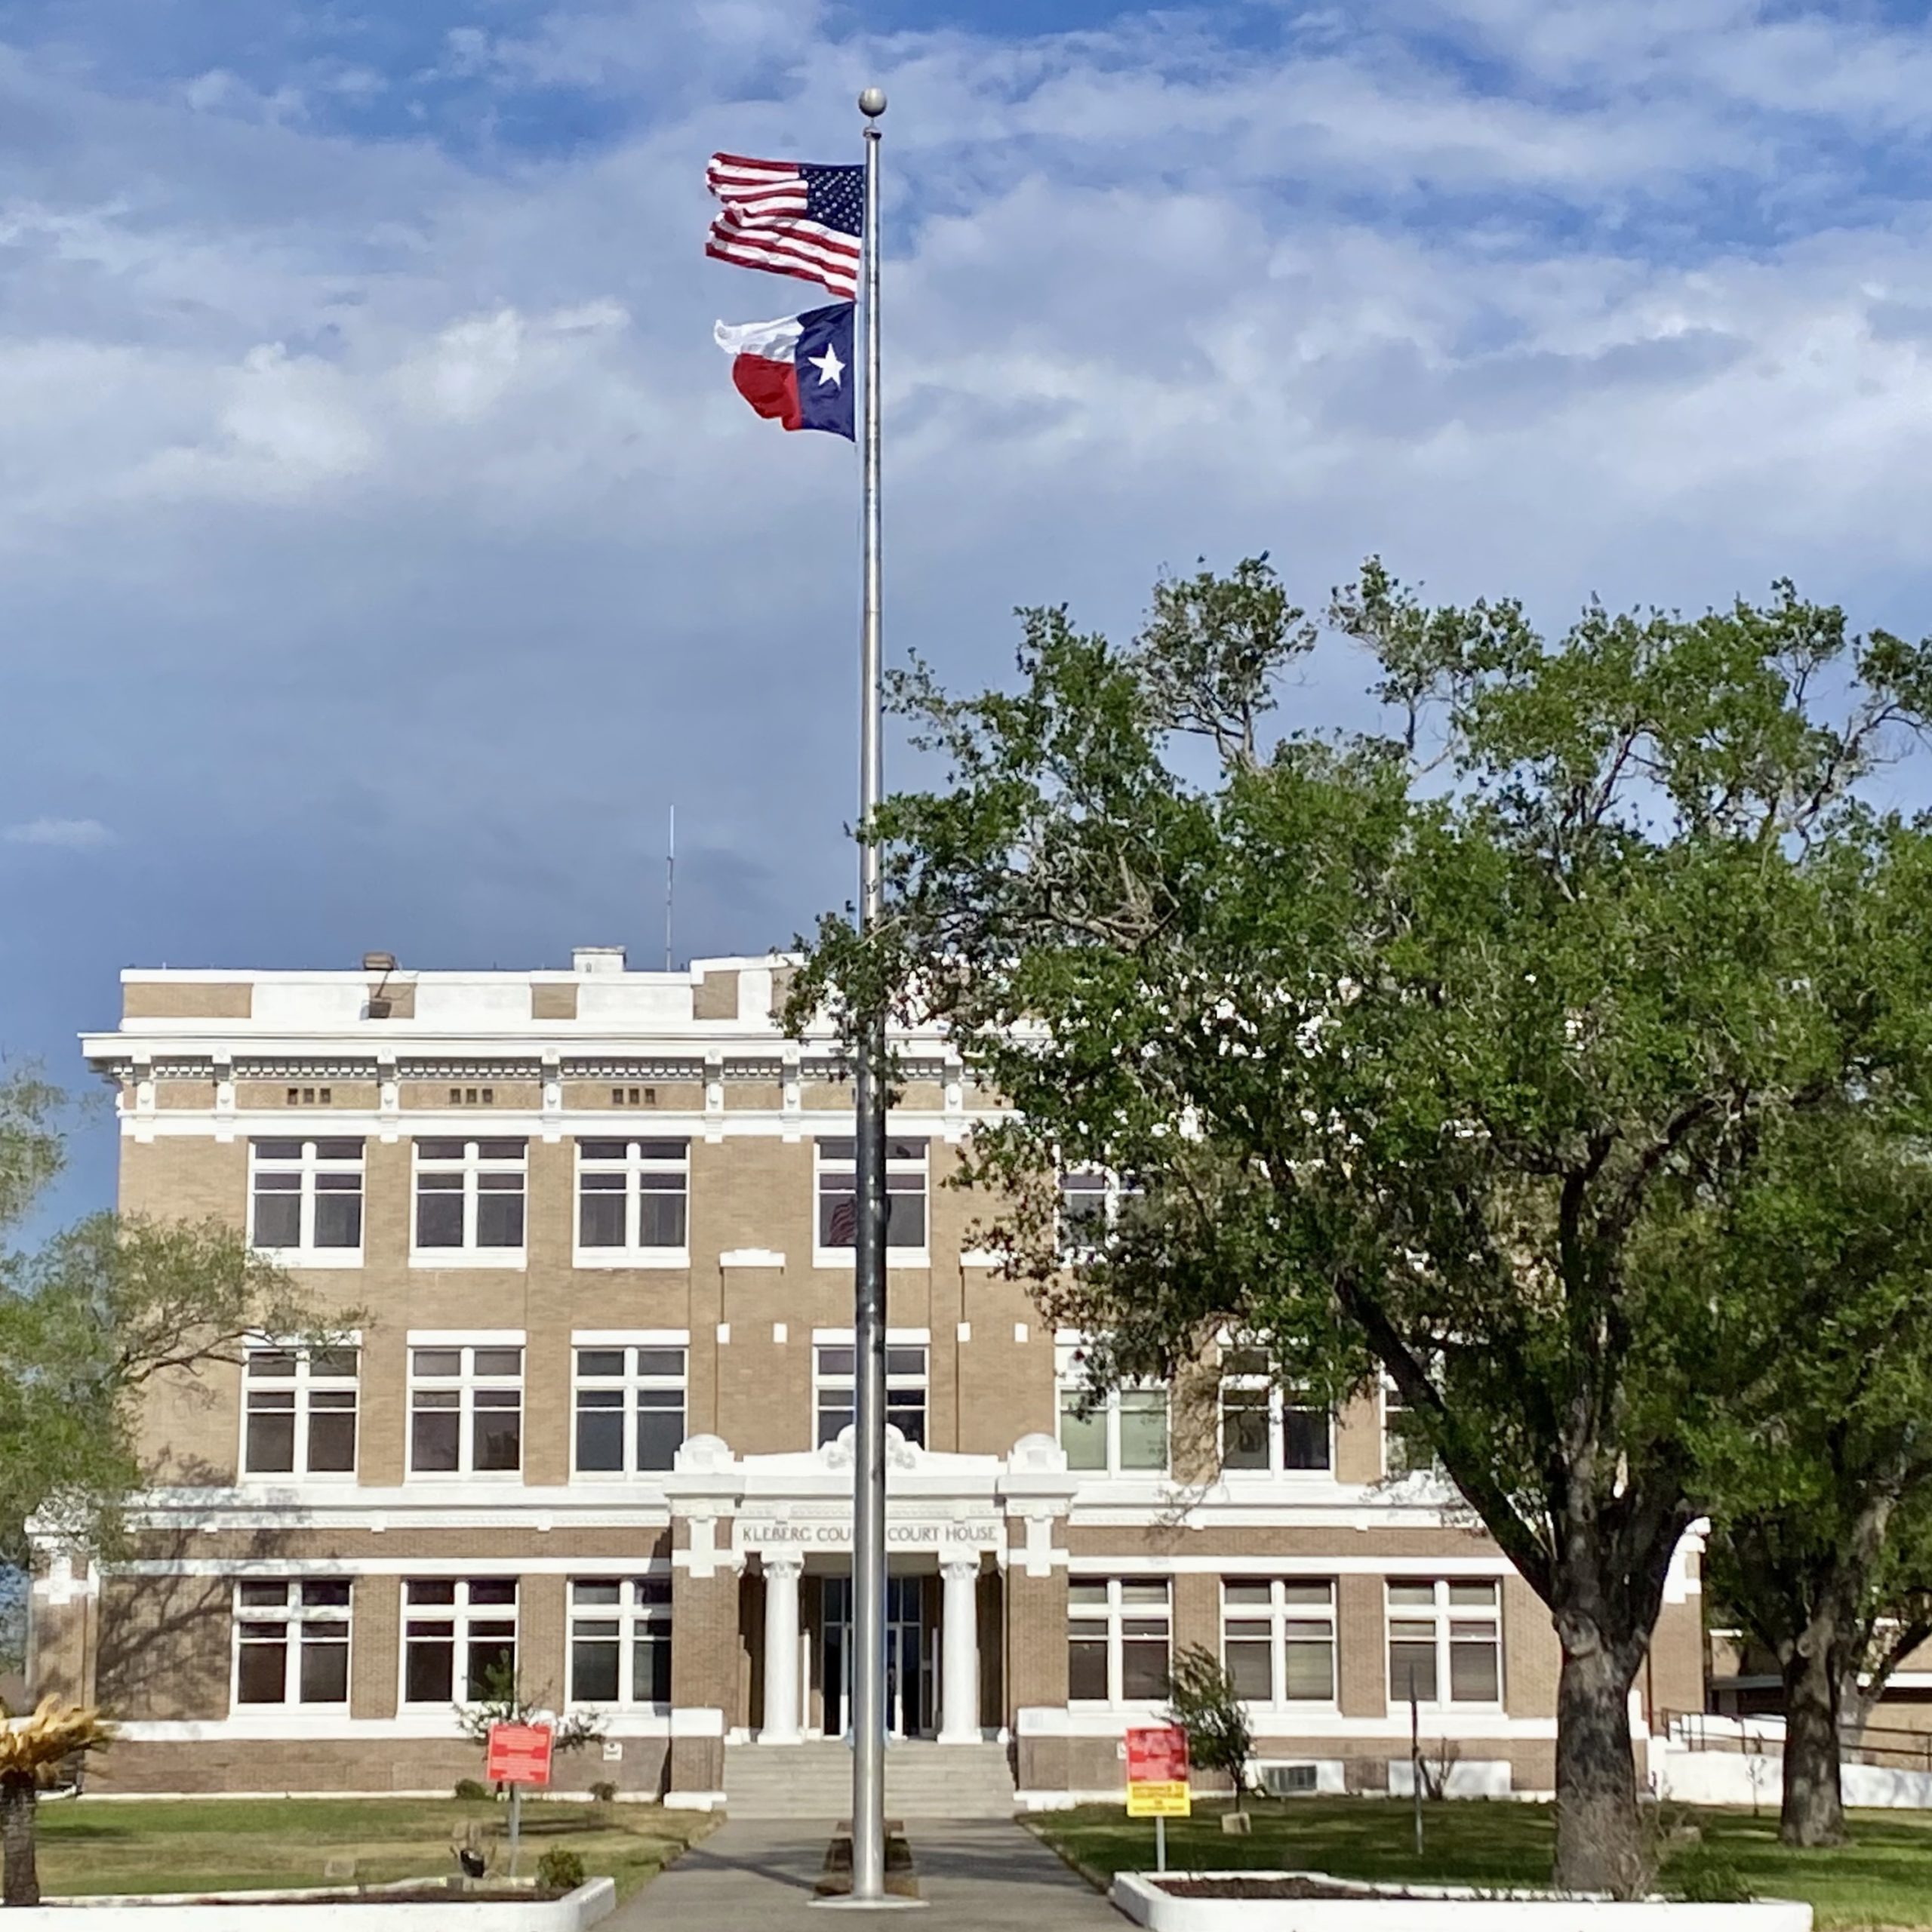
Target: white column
[781, 1647]
[959, 1651]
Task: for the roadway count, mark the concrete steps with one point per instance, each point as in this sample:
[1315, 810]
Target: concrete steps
[813, 1779]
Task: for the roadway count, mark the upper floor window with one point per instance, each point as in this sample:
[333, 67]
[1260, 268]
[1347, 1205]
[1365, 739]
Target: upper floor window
[632, 1199]
[833, 1389]
[466, 1410]
[291, 1641]
[1119, 1634]
[1265, 1428]
[299, 1412]
[459, 1641]
[1122, 1433]
[630, 1407]
[469, 1196]
[305, 1198]
[1278, 1639]
[1091, 1200]
[620, 1640]
[905, 1167]
[1445, 1635]
[1406, 1449]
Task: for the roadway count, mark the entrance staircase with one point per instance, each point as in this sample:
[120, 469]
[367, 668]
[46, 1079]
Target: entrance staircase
[813, 1779]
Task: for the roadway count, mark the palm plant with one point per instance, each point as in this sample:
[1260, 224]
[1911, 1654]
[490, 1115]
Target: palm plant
[31, 1751]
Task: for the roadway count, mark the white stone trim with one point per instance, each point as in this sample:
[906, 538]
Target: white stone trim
[451, 1338]
[1114, 1720]
[272, 1566]
[752, 1257]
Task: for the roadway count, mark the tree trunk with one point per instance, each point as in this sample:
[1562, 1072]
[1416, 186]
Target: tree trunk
[19, 1810]
[1599, 1842]
[1813, 1807]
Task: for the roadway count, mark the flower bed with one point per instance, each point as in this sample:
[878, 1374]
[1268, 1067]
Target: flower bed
[398, 1908]
[1313, 1902]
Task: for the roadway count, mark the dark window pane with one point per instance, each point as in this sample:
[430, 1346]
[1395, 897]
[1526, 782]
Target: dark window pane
[1305, 1438]
[426, 1671]
[905, 1361]
[271, 1447]
[1244, 1428]
[594, 1671]
[261, 1677]
[434, 1439]
[663, 1150]
[332, 1437]
[661, 1221]
[661, 1361]
[500, 1217]
[650, 1665]
[600, 1212]
[600, 1361]
[600, 1429]
[838, 1215]
[659, 1429]
[439, 1150]
[497, 1440]
[323, 1593]
[830, 1152]
[1472, 1678]
[338, 1214]
[494, 1590]
[277, 1150]
[278, 1214]
[271, 1365]
[438, 1214]
[492, 1663]
[905, 1220]
[1087, 1666]
[833, 1415]
[1412, 1673]
[898, 1149]
[602, 1150]
[1250, 1664]
[429, 1593]
[337, 1362]
[1312, 1669]
[835, 1361]
[906, 1411]
[499, 1361]
[1143, 1667]
[338, 1150]
[500, 1150]
[325, 1666]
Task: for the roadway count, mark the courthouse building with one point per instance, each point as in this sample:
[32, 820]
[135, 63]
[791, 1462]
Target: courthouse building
[586, 1419]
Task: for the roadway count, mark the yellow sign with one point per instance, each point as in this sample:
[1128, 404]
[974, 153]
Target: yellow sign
[1166, 1800]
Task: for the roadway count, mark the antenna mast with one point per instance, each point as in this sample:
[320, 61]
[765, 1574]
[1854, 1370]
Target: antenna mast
[670, 881]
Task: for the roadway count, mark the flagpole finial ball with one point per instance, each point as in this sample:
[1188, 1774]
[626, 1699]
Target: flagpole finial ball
[871, 103]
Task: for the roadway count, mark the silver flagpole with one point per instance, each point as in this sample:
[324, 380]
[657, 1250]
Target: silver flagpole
[869, 1285]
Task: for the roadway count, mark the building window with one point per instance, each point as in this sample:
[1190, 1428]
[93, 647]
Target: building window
[630, 1407]
[469, 1196]
[299, 1409]
[1405, 1450]
[1123, 1432]
[905, 1166]
[466, 1410]
[1278, 1639]
[905, 1389]
[459, 1639]
[620, 1642]
[1266, 1429]
[632, 1199]
[1445, 1634]
[1090, 1201]
[1117, 1631]
[291, 1641]
[305, 1197]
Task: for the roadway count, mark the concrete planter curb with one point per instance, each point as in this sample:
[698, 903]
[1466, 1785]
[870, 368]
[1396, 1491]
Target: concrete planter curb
[1399, 1908]
[596, 1898]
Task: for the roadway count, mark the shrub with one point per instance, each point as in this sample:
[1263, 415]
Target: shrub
[604, 1792]
[559, 1870]
[472, 1788]
[1707, 1880]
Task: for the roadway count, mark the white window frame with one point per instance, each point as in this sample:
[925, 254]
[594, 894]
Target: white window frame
[836, 1380]
[294, 1615]
[466, 1383]
[895, 1257]
[633, 1616]
[1430, 1470]
[633, 1167]
[1113, 1616]
[1282, 1615]
[303, 1384]
[472, 1164]
[1447, 1617]
[1112, 1190]
[463, 1614]
[631, 1383]
[1277, 1407]
[1069, 1352]
[308, 1165]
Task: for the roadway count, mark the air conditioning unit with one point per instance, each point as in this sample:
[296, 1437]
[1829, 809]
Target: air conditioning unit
[1287, 1780]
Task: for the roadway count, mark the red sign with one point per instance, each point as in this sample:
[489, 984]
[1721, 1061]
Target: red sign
[519, 1753]
[1157, 1756]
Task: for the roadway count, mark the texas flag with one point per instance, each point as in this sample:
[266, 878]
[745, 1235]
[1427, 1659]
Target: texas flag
[798, 368]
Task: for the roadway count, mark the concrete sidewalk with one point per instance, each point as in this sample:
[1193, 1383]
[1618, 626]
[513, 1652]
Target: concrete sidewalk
[975, 1877]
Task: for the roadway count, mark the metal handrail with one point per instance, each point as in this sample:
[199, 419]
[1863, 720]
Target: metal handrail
[1710, 1730]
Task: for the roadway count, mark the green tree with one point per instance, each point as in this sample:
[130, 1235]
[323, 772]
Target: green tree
[1822, 1489]
[504, 1701]
[1426, 1046]
[1202, 1700]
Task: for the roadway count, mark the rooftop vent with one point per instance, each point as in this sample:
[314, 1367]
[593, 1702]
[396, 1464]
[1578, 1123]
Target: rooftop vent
[597, 959]
[379, 962]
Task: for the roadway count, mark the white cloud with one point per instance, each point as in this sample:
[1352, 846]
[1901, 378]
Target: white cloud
[71, 835]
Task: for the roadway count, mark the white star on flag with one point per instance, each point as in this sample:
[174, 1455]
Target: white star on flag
[829, 368]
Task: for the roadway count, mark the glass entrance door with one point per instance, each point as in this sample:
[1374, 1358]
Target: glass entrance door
[908, 1678]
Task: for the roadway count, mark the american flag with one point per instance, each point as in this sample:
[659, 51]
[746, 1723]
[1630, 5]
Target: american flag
[792, 217]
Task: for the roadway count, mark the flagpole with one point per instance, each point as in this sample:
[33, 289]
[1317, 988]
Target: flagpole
[868, 1573]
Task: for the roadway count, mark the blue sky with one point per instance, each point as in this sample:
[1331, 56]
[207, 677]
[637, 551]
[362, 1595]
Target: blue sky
[382, 550]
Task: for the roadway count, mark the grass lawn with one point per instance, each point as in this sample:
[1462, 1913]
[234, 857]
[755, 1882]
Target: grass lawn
[165, 1844]
[1883, 1877]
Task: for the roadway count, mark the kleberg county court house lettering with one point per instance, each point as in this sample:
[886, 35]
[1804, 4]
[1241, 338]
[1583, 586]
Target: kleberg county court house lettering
[589, 1425]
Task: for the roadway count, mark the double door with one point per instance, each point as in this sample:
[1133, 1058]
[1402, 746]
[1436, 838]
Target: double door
[909, 1675]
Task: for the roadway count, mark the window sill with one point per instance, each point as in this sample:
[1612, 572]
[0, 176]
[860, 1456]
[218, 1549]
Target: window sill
[610, 1479]
[631, 1257]
[508, 1259]
[311, 1257]
[297, 1479]
[895, 1257]
[506, 1477]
